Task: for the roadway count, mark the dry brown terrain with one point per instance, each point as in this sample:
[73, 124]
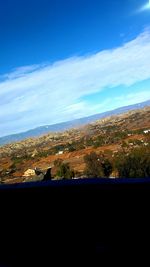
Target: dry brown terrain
[108, 136]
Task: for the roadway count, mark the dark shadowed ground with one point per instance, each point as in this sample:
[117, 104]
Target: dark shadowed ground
[77, 222]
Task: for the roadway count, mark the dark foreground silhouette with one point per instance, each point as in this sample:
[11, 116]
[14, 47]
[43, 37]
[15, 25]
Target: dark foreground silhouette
[46, 175]
[76, 222]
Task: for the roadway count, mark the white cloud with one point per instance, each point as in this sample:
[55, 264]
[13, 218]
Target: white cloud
[129, 99]
[20, 72]
[45, 94]
[144, 8]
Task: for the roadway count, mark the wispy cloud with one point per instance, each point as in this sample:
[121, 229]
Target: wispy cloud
[129, 99]
[21, 72]
[46, 94]
[144, 7]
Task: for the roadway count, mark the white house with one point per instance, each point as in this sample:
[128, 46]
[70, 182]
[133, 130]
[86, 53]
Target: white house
[29, 172]
[60, 152]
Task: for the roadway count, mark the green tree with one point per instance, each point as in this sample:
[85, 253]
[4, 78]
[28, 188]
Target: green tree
[71, 148]
[107, 167]
[97, 165]
[99, 141]
[64, 171]
[134, 165]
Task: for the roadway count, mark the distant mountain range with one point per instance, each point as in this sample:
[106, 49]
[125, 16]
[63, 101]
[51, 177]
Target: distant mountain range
[69, 124]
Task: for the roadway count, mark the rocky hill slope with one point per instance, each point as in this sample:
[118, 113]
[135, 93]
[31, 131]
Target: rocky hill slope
[108, 135]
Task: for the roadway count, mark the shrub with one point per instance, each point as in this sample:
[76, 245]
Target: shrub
[64, 171]
[107, 167]
[134, 165]
[97, 165]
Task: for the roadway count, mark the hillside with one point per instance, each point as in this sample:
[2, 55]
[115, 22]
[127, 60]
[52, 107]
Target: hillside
[59, 127]
[111, 135]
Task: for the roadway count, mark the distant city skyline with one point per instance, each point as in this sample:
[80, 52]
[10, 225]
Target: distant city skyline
[67, 59]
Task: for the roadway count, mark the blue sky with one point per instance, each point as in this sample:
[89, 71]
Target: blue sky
[65, 59]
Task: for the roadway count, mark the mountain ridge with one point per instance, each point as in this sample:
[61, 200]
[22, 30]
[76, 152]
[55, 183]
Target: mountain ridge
[60, 127]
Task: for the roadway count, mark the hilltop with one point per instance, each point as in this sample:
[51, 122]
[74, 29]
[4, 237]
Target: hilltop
[63, 126]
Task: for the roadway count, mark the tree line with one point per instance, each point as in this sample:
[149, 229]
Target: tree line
[135, 164]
